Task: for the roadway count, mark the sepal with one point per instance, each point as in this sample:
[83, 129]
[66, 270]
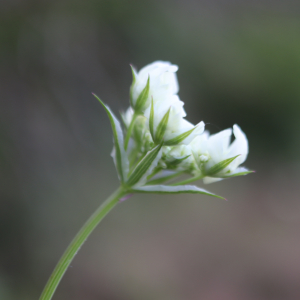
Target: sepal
[220, 166]
[142, 98]
[145, 167]
[187, 135]
[134, 74]
[161, 128]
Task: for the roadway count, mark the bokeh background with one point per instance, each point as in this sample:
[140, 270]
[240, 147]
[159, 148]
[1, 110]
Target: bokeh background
[239, 62]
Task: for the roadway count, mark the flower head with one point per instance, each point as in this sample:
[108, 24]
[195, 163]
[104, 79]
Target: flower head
[160, 144]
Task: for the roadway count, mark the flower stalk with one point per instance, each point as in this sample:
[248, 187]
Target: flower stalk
[78, 241]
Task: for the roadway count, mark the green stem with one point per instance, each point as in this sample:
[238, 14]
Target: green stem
[77, 242]
[128, 134]
[189, 180]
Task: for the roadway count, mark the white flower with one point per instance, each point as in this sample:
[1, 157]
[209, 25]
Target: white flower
[163, 82]
[175, 123]
[212, 150]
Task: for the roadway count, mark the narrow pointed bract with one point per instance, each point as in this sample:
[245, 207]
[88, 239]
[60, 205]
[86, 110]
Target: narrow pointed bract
[119, 155]
[142, 100]
[161, 128]
[179, 189]
[144, 167]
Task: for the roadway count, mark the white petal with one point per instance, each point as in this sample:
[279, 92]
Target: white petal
[200, 143]
[199, 129]
[239, 146]
[219, 142]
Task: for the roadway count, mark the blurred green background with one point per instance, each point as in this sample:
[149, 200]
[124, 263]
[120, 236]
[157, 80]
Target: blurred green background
[239, 62]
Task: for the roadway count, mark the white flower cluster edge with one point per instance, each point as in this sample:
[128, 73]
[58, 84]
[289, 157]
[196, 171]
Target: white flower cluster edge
[202, 151]
[160, 145]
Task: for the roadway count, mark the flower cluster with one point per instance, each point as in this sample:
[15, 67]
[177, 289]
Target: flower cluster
[160, 144]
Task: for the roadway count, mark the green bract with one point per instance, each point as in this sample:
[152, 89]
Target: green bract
[220, 166]
[178, 139]
[164, 189]
[119, 155]
[144, 167]
[161, 128]
[141, 101]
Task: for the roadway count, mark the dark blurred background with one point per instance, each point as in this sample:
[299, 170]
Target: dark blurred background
[239, 62]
